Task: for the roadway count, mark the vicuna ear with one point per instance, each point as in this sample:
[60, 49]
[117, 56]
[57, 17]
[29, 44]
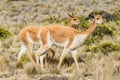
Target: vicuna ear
[69, 15]
[72, 14]
[94, 15]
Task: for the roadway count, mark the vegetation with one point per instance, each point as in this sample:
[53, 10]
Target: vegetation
[108, 16]
[104, 40]
[52, 19]
[105, 47]
[99, 33]
[117, 16]
[4, 33]
[16, 0]
[84, 24]
[30, 69]
[96, 37]
[25, 58]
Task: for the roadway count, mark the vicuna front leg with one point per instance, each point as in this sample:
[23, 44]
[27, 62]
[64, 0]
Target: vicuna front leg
[75, 59]
[65, 51]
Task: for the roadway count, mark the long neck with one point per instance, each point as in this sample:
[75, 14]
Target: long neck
[91, 28]
[69, 24]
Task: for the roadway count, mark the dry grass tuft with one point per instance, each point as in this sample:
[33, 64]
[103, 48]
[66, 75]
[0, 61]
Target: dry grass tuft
[30, 69]
[54, 70]
[19, 65]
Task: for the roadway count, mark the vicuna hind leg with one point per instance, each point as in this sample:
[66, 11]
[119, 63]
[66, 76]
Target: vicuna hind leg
[41, 61]
[22, 51]
[47, 62]
[29, 54]
[41, 53]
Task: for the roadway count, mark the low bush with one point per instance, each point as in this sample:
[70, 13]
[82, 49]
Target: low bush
[99, 33]
[108, 16]
[4, 33]
[105, 48]
[52, 19]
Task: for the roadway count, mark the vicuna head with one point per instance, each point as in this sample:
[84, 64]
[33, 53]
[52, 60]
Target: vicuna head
[98, 19]
[73, 18]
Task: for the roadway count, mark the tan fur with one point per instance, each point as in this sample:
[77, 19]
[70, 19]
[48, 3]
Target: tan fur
[32, 30]
[56, 33]
[73, 20]
[34, 33]
[62, 33]
[93, 25]
[68, 35]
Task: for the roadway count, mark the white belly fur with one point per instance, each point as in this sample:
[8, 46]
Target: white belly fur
[78, 41]
[52, 41]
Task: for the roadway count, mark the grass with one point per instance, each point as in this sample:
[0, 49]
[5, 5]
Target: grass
[99, 33]
[30, 69]
[16, 0]
[96, 66]
[52, 19]
[84, 24]
[54, 70]
[4, 33]
[105, 47]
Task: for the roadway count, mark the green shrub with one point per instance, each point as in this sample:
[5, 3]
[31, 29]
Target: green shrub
[102, 30]
[24, 58]
[84, 24]
[117, 16]
[92, 49]
[52, 19]
[4, 33]
[105, 48]
[99, 33]
[108, 16]
[19, 65]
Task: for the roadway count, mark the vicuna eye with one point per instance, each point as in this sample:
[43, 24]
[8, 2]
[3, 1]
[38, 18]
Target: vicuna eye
[74, 19]
[97, 18]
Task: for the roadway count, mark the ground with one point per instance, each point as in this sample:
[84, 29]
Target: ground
[99, 57]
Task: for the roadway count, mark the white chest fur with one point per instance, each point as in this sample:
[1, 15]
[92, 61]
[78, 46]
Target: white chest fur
[78, 41]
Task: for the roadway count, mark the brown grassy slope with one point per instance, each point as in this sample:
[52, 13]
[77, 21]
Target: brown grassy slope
[14, 15]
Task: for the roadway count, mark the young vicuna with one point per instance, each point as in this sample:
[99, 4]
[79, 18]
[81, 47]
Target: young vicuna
[30, 35]
[67, 37]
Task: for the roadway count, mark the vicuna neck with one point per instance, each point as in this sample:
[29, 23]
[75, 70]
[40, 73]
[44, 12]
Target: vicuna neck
[69, 24]
[91, 28]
